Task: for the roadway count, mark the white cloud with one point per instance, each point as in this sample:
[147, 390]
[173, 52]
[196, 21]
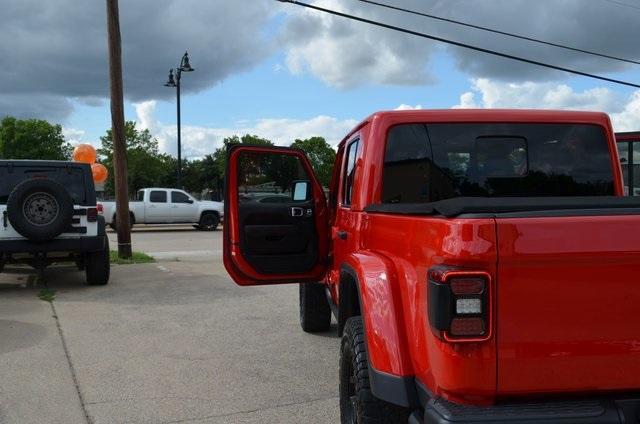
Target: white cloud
[77, 136]
[485, 93]
[198, 141]
[346, 54]
[409, 107]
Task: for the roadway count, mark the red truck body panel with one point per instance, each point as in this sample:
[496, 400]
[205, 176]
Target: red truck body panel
[563, 290]
[411, 246]
[568, 318]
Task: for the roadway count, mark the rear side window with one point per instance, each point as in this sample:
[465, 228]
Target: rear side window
[158, 197]
[140, 197]
[349, 173]
[425, 163]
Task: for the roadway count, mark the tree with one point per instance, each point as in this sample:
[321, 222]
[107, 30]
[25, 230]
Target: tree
[219, 157]
[147, 167]
[321, 155]
[32, 139]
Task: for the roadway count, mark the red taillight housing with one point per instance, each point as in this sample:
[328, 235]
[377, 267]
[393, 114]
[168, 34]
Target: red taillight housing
[100, 208]
[459, 303]
[92, 214]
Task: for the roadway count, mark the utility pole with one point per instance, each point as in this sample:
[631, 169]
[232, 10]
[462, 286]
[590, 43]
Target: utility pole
[117, 131]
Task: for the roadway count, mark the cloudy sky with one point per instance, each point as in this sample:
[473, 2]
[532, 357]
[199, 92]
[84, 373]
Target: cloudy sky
[283, 72]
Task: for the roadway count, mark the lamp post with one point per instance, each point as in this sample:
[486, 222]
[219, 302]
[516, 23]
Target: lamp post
[175, 82]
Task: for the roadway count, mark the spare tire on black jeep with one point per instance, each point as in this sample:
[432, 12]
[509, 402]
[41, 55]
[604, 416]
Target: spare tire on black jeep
[40, 209]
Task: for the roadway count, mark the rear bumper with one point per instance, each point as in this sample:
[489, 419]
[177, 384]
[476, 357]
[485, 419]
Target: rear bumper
[598, 411]
[76, 245]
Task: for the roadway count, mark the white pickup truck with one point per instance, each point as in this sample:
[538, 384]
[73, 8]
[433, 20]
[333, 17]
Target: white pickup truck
[168, 206]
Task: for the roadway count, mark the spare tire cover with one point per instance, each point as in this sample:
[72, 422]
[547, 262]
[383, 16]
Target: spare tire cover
[40, 209]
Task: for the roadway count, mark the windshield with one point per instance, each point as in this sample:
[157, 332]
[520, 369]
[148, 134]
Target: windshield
[431, 162]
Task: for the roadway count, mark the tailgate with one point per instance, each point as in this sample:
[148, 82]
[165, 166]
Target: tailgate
[568, 304]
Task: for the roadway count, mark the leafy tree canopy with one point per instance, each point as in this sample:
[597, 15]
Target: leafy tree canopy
[146, 166]
[32, 139]
[321, 155]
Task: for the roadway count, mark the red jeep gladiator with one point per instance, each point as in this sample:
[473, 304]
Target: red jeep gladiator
[482, 265]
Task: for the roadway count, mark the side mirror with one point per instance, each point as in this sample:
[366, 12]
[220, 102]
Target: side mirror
[301, 191]
[190, 201]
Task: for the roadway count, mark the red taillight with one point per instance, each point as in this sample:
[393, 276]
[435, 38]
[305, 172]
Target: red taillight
[459, 304]
[100, 208]
[466, 285]
[466, 327]
[92, 214]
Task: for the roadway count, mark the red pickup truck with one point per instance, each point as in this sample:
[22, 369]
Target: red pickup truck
[482, 265]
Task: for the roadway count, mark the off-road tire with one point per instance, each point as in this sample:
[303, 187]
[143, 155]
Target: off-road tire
[98, 266]
[40, 209]
[209, 221]
[315, 313]
[358, 405]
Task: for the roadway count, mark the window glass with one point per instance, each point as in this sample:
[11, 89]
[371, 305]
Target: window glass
[140, 197]
[179, 197]
[349, 173]
[158, 197]
[268, 177]
[623, 153]
[432, 162]
[408, 154]
[636, 168]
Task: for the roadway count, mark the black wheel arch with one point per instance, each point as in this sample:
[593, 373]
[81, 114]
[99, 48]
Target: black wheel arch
[401, 391]
[209, 212]
[349, 304]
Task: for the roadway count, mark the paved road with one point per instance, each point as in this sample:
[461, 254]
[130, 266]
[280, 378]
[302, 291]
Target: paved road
[174, 341]
[171, 242]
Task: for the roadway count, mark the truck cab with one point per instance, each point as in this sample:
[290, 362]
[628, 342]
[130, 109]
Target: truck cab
[168, 206]
[481, 264]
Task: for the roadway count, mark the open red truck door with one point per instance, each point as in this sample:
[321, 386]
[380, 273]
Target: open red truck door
[276, 221]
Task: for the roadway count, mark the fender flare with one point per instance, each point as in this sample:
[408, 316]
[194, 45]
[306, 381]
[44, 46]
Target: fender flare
[391, 372]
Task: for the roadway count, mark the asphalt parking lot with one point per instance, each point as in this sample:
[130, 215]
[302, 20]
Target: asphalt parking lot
[169, 342]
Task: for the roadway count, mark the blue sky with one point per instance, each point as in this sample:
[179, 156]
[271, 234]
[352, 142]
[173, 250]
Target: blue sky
[278, 71]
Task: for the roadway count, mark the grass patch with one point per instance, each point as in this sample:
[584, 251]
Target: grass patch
[47, 295]
[137, 258]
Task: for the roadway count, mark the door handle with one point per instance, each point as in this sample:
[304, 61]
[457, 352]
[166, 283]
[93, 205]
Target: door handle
[298, 212]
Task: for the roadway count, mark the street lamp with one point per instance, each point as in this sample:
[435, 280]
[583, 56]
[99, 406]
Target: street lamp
[175, 82]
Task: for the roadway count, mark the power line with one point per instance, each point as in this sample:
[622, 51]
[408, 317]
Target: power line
[623, 4]
[459, 44]
[495, 31]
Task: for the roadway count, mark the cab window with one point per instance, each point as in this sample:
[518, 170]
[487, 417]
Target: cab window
[349, 173]
[157, 196]
[179, 197]
[431, 162]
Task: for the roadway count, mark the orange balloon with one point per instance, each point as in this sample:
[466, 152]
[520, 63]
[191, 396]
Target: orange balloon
[84, 153]
[100, 173]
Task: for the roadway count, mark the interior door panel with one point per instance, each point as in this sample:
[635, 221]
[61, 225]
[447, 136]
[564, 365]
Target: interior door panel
[276, 217]
[274, 241]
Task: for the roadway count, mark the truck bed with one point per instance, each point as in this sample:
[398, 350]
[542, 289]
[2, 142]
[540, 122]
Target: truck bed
[566, 282]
